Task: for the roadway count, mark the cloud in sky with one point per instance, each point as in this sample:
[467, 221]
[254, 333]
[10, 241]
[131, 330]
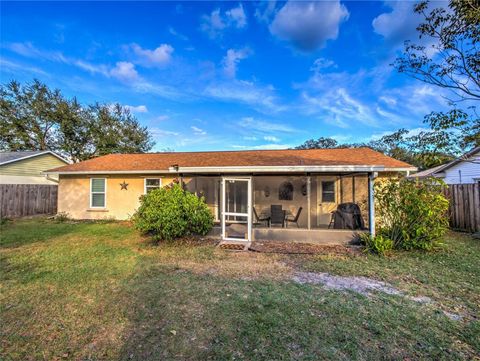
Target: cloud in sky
[216, 22]
[159, 56]
[308, 25]
[137, 109]
[271, 138]
[400, 23]
[231, 60]
[124, 71]
[260, 97]
[197, 130]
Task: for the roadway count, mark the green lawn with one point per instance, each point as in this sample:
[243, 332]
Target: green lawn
[100, 291]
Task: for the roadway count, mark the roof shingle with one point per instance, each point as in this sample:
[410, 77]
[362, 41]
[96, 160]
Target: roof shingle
[250, 158]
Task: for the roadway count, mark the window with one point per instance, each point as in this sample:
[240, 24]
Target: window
[97, 192]
[152, 183]
[328, 191]
[285, 192]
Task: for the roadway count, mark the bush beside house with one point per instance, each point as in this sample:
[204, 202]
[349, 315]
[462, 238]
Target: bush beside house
[171, 212]
[411, 215]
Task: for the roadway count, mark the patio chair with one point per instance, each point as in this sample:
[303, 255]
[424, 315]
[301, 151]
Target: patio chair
[260, 220]
[294, 219]
[277, 215]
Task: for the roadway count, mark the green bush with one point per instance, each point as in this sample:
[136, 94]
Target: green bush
[378, 244]
[171, 212]
[413, 214]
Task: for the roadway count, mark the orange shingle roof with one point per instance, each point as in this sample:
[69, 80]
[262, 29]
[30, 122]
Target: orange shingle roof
[250, 158]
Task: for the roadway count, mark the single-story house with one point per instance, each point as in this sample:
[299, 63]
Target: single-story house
[27, 167]
[255, 194]
[463, 170]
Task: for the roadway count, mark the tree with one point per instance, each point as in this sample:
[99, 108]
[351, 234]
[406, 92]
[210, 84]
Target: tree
[34, 117]
[452, 62]
[320, 143]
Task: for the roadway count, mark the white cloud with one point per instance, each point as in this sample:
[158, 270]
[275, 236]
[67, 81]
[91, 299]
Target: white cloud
[261, 98]
[265, 10]
[264, 127]
[159, 56]
[322, 63]
[28, 50]
[217, 21]
[124, 71]
[137, 109]
[175, 33]
[308, 25]
[271, 138]
[401, 22]
[237, 16]
[339, 108]
[157, 132]
[249, 137]
[231, 60]
[198, 131]
[162, 117]
[12, 67]
[388, 100]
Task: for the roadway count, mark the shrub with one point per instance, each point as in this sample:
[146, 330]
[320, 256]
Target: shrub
[171, 212]
[378, 244]
[61, 217]
[413, 214]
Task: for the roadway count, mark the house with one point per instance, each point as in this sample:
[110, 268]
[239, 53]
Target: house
[242, 188]
[27, 167]
[463, 170]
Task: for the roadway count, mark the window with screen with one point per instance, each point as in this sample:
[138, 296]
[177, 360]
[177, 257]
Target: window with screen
[152, 183]
[97, 192]
[328, 191]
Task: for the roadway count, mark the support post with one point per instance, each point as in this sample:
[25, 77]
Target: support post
[309, 202]
[371, 204]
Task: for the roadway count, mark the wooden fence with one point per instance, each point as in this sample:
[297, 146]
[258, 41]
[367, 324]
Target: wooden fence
[18, 200]
[464, 206]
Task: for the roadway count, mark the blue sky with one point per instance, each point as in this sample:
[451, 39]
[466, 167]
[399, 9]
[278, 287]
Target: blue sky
[227, 75]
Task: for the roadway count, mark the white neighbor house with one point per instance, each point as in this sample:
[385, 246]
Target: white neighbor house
[463, 170]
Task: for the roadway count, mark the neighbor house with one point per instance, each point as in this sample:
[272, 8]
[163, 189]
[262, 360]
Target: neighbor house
[258, 194]
[463, 170]
[27, 167]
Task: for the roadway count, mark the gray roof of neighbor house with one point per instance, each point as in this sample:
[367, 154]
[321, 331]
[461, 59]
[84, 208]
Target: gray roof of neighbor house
[10, 157]
[440, 168]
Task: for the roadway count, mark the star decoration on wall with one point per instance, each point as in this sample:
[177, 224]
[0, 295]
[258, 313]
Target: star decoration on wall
[123, 185]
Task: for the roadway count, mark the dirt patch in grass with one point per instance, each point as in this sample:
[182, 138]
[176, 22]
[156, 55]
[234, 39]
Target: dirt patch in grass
[362, 285]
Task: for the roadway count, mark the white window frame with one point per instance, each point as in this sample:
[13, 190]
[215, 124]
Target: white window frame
[145, 184]
[104, 194]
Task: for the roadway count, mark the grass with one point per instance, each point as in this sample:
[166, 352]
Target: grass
[100, 291]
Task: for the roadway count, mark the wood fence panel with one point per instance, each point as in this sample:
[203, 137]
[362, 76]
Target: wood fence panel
[18, 200]
[464, 209]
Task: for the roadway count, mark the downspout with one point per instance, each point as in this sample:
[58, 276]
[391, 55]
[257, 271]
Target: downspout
[371, 203]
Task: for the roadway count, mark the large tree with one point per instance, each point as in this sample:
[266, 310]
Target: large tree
[34, 117]
[451, 61]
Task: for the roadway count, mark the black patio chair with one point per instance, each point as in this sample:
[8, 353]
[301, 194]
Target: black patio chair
[259, 221]
[277, 215]
[294, 219]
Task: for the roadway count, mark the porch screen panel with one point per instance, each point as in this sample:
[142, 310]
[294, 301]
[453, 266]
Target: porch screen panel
[236, 199]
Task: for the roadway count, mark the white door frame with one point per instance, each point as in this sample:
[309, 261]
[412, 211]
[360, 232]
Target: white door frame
[224, 214]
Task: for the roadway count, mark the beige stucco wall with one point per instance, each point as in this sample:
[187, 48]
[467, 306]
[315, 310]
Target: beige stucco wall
[74, 196]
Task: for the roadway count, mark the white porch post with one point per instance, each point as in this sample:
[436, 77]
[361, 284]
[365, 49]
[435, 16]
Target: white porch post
[222, 213]
[371, 203]
[309, 202]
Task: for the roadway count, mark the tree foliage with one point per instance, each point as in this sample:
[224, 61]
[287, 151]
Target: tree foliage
[413, 214]
[450, 61]
[34, 117]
